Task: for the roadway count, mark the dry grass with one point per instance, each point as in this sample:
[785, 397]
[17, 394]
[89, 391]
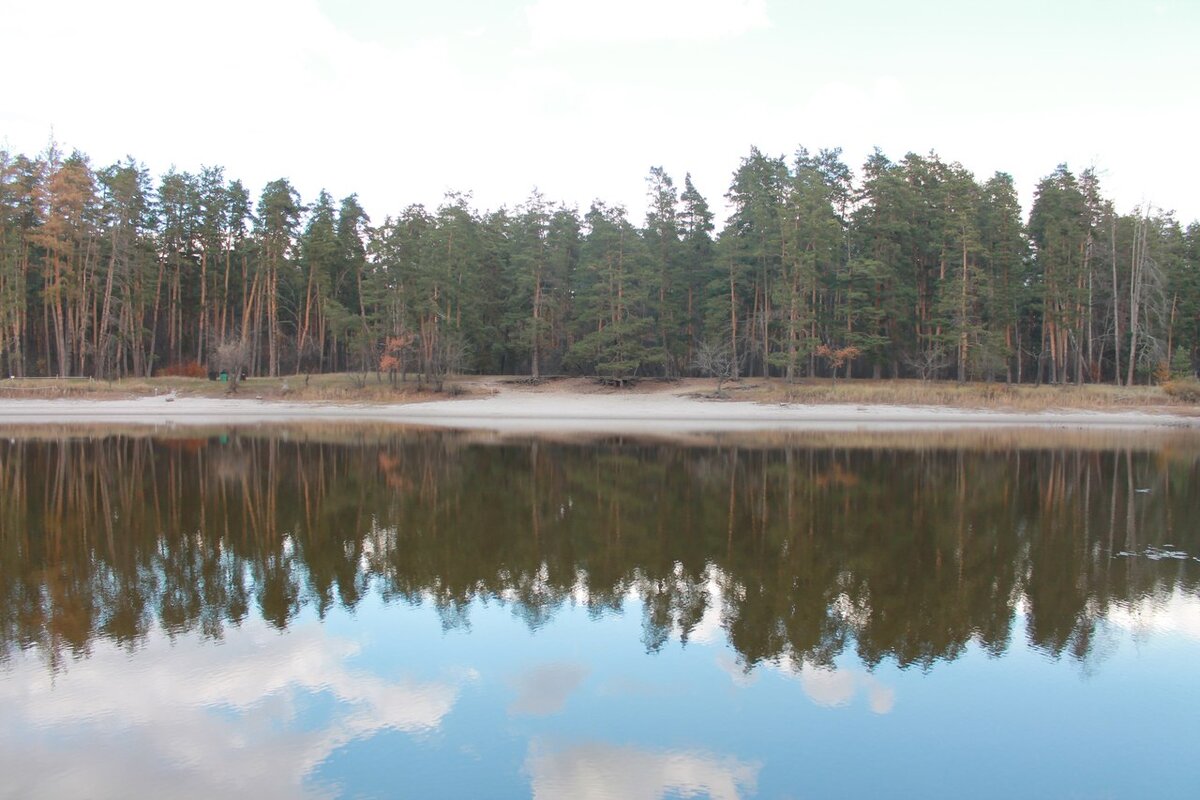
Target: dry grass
[88, 388]
[1186, 390]
[344, 387]
[329, 388]
[354, 388]
[954, 395]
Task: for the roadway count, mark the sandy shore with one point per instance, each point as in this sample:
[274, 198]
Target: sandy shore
[518, 411]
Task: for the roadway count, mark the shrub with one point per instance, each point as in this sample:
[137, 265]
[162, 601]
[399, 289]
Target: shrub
[1181, 364]
[1186, 390]
[231, 357]
[183, 369]
[1161, 373]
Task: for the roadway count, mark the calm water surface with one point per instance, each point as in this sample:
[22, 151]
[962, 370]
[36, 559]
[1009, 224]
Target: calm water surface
[375, 613]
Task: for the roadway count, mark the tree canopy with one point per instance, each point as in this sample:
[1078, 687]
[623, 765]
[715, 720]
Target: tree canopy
[915, 268]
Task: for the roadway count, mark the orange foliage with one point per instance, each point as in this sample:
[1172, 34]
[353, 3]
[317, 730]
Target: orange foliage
[839, 356]
[395, 343]
[392, 348]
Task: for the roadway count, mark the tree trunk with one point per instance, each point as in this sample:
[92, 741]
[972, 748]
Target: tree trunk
[1116, 303]
[1136, 268]
[734, 372]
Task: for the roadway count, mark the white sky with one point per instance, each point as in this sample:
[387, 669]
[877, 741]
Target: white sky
[401, 101]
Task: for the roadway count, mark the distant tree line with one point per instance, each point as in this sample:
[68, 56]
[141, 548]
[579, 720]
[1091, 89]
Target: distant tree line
[914, 269]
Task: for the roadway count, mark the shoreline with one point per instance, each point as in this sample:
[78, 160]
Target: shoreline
[559, 412]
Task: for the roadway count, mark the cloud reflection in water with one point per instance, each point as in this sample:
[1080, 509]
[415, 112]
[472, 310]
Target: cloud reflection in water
[829, 687]
[602, 771]
[176, 719]
[545, 689]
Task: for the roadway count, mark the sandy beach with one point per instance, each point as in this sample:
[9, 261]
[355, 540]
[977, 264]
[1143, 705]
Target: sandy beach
[517, 410]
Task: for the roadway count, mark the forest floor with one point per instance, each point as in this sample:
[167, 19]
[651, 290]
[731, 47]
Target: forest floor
[580, 404]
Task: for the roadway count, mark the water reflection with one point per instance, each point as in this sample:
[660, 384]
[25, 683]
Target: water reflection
[161, 724]
[795, 554]
[301, 614]
[600, 771]
[545, 689]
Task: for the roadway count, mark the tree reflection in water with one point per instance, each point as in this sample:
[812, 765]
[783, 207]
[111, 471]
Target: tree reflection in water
[906, 553]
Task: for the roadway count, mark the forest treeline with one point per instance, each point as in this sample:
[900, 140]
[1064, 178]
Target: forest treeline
[910, 269]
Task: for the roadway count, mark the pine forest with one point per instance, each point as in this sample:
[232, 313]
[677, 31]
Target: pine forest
[912, 268]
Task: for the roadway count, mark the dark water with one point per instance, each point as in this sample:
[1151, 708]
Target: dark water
[419, 614]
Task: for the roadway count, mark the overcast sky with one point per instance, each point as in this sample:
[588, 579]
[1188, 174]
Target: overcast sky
[402, 101]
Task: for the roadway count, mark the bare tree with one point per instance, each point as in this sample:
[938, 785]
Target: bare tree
[449, 355]
[715, 360]
[928, 362]
[1147, 299]
[231, 357]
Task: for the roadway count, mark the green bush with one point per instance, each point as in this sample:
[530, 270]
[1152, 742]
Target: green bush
[1181, 364]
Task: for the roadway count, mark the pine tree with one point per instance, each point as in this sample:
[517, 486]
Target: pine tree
[698, 257]
[319, 253]
[278, 216]
[1060, 231]
[1005, 258]
[752, 247]
[810, 247]
[664, 250]
[881, 322]
[617, 340]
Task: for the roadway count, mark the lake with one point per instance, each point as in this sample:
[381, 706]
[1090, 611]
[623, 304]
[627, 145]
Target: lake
[342, 611]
